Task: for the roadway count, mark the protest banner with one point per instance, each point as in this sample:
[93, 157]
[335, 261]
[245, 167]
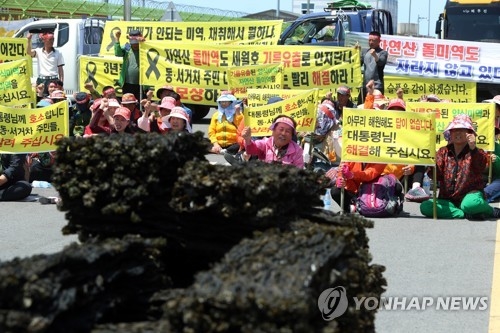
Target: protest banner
[437, 58]
[15, 84]
[226, 32]
[101, 71]
[301, 107]
[15, 49]
[33, 130]
[388, 137]
[199, 71]
[416, 87]
[482, 115]
[258, 97]
[257, 76]
[12, 48]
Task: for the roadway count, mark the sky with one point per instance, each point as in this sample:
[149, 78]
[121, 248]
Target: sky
[418, 8]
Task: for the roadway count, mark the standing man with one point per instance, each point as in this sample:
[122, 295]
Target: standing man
[129, 75]
[373, 61]
[50, 60]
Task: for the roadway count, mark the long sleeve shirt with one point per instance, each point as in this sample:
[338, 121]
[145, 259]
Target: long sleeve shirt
[265, 151]
[461, 173]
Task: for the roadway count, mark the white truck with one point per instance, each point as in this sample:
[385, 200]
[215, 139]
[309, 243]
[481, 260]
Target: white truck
[73, 38]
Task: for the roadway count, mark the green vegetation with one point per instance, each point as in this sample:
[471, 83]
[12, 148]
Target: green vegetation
[20, 9]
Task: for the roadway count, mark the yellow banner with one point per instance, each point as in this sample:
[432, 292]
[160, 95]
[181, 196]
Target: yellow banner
[15, 49]
[482, 115]
[388, 137]
[415, 87]
[226, 32]
[101, 71]
[268, 76]
[302, 108]
[199, 71]
[12, 48]
[33, 130]
[15, 84]
[258, 97]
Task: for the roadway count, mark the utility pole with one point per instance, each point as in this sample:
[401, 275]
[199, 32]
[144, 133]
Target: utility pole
[420, 18]
[127, 10]
[429, 20]
[409, 15]
[278, 9]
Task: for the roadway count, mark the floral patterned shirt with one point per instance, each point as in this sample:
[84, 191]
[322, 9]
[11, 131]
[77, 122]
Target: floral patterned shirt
[460, 174]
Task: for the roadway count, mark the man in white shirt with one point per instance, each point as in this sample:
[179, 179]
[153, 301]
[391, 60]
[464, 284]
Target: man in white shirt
[50, 60]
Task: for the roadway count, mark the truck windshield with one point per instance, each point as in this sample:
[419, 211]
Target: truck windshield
[315, 31]
[480, 25]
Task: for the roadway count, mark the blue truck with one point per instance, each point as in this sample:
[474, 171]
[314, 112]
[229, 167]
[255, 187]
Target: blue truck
[329, 27]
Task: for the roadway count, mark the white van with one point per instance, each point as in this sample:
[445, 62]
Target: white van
[73, 38]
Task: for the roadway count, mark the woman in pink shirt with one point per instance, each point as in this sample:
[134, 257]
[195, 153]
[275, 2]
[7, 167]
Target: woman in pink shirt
[279, 147]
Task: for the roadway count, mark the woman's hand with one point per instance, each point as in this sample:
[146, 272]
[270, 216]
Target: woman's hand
[471, 140]
[408, 170]
[216, 148]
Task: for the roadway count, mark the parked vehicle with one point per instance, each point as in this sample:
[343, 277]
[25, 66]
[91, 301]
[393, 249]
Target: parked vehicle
[475, 21]
[72, 37]
[329, 27]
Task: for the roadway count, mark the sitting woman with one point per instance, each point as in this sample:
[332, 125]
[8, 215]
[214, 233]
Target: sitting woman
[459, 167]
[223, 127]
[101, 121]
[13, 184]
[177, 120]
[279, 147]
[152, 120]
[350, 175]
[122, 119]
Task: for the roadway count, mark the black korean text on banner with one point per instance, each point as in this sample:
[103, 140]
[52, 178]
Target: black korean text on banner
[416, 87]
[481, 114]
[33, 130]
[437, 58]
[199, 72]
[101, 71]
[12, 49]
[15, 84]
[388, 137]
[226, 32]
[301, 107]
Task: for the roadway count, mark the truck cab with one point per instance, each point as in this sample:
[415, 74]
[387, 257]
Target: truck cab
[330, 26]
[474, 21]
[72, 37]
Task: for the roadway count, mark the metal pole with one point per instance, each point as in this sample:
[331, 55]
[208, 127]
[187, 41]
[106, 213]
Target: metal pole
[429, 20]
[108, 17]
[278, 10]
[127, 10]
[308, 6]
[409, 15]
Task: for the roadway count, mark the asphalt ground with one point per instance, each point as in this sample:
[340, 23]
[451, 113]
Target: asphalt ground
[423, 258]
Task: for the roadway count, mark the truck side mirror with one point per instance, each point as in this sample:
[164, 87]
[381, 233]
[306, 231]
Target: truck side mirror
[438, 28]
[439, 24]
